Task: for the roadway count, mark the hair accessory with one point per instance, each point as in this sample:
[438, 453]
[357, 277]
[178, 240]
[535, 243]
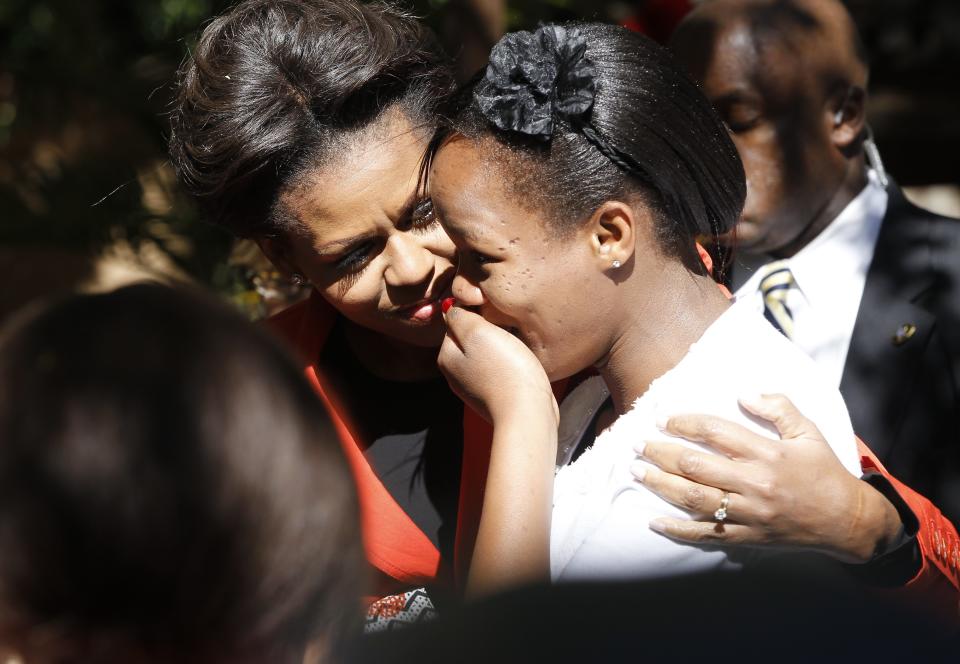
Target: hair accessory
[533, 77]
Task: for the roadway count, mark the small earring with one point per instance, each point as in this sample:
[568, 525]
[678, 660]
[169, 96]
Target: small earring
[616, 264]
[298, 279]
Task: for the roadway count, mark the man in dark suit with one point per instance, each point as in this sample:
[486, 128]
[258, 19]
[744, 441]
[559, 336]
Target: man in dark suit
[828, 247]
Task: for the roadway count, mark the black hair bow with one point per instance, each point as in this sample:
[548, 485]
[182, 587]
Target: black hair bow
[534, 77]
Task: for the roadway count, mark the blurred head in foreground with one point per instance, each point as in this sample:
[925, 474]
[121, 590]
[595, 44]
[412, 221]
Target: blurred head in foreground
[170, 489]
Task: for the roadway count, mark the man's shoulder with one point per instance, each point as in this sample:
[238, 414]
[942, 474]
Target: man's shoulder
[903, 216]
[918, 243]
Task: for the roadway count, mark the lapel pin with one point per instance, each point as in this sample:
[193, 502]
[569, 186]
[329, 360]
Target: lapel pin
[904, 332]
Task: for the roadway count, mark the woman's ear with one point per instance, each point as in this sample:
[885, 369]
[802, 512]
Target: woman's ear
[613, 231]
[277, 252]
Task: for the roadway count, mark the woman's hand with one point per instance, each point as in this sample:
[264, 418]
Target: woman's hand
[492, 371]
[792, 493]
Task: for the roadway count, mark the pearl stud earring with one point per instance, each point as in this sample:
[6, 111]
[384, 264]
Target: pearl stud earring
[616, 264]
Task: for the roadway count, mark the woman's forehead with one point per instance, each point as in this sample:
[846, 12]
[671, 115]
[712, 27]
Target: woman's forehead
[371, 180]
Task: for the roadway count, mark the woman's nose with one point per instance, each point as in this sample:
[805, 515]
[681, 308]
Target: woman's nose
[467, 294]
[410, 262]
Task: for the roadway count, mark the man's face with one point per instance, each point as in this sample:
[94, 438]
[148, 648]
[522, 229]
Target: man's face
[779, 119]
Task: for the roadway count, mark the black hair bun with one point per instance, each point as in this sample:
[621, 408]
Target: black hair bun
[535, 77]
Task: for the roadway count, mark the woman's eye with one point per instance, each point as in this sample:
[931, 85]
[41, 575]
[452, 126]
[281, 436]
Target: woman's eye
[480, 259]
[356, 258]
[741, 126]
[423, 214]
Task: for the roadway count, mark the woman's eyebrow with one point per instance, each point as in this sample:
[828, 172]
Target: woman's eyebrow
[339, 245]
[410, 205]
[404, 212]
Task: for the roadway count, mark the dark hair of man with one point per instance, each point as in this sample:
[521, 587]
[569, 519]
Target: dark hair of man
[169, 486]
[648, 112]
[275, 86]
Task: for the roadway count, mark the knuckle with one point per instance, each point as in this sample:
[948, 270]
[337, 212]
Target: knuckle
[708, 429]
[778, 400]
[765, 513]
[693, 497]
[763, 487]
[707, 533]
[690, 463]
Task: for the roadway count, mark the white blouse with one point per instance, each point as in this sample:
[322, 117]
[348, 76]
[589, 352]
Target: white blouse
[601, 513]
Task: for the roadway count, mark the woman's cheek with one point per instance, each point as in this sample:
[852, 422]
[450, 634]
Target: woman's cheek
[441, 244]
[356, 297]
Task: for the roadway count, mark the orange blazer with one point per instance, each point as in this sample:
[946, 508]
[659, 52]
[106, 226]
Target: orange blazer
[402, 554]
[938, 580]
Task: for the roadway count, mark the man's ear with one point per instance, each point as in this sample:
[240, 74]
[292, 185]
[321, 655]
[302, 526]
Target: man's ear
[613, 231]
[848, 118]
[277, 252]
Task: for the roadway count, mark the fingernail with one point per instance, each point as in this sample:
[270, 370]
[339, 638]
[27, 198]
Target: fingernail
[658, 525]
[639, 470]
[639, 448]
[662, 421]
[751, 400]
[446, 304]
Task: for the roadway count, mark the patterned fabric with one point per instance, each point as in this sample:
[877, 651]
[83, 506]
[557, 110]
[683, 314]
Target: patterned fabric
[774, 287]
[399, 611]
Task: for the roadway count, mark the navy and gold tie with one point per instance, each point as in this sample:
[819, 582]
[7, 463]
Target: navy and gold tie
[774, 287]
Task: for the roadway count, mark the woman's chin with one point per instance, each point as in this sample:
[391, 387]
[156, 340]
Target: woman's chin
[425, 334]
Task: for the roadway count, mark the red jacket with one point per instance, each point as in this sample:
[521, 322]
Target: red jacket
[402, 554]
[938, 579]
[405, 556]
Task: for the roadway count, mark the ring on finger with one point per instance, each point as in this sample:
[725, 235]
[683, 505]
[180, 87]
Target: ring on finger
[721, 514]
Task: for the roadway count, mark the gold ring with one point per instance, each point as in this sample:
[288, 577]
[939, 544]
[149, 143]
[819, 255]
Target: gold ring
[721, 514]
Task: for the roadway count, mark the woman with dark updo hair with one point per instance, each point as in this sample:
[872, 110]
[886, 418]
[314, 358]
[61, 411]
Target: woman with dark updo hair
[301, 124]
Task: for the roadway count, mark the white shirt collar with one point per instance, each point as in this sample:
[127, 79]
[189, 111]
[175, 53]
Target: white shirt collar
[839, 246]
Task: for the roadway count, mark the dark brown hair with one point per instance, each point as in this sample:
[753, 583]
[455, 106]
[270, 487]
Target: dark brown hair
[169, 485]
[274, 85]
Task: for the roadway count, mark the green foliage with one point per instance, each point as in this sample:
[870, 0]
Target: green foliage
[83, 91]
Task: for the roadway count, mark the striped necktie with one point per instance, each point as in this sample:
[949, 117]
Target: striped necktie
[774, 287]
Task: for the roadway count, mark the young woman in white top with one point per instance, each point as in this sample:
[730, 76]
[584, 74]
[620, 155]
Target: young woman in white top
[575, 177]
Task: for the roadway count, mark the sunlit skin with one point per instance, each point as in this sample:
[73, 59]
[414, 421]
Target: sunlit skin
[780, 99]
[371, 246]
[517, 274]
[559, 293]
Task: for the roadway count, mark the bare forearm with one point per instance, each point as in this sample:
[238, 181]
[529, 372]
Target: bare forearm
[513, 541]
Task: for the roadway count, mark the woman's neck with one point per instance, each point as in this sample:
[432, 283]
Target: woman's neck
[390, 358]
[668, 313]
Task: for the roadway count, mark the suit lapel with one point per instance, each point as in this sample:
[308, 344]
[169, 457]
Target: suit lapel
[891, 330]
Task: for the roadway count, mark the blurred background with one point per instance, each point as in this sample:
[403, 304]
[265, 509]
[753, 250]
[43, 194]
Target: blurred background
[87, 197]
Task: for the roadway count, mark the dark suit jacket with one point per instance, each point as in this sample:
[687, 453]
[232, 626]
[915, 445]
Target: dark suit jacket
[903, 388]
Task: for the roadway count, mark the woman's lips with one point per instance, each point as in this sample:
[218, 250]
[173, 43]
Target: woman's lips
[425, 311]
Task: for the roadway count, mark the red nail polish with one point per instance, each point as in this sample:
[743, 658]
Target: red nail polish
[446, 304]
